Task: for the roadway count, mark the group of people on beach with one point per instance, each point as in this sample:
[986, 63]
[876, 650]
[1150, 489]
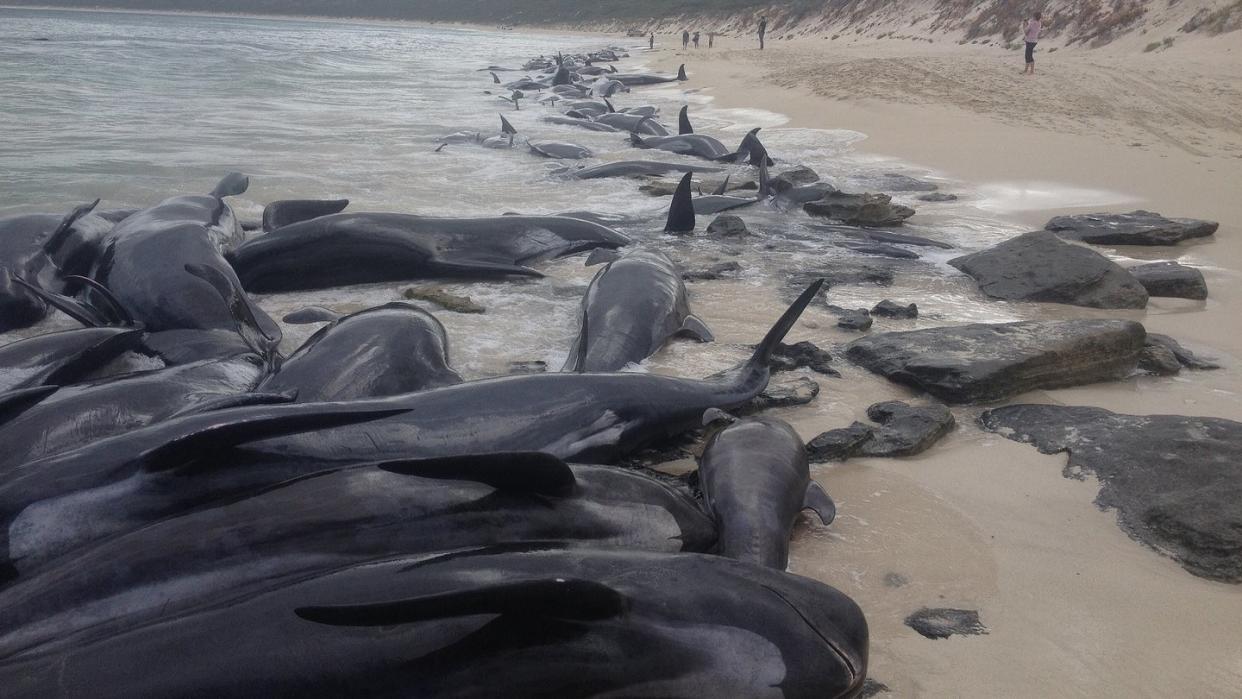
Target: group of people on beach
[687, 38]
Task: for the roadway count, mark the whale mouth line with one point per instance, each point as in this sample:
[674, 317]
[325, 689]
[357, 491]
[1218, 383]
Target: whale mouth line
[836, 648]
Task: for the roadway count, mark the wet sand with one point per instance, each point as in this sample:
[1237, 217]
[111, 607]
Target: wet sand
[1074, 607]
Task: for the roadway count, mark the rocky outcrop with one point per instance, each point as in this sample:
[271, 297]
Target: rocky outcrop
[443, 298]
[851, 318]
[1175, 481]
[794, 177]
[799, 355]
[937, 197]
[904, 430]
[1170, 279]
[1184, 356]
[716, 271]
[783, 393]
[1039, 266]
[1134, 228]
[987, 362]
[860, 209]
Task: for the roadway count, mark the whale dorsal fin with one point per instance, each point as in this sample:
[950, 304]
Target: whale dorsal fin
[530, 472]
[231, 185]
[506, 127]
[817, 499]
[724, 187]
[557, 598]
[681, 211]
[683, 121]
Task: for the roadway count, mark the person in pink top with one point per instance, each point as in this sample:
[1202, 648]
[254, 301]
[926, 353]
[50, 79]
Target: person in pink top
[1031, 28]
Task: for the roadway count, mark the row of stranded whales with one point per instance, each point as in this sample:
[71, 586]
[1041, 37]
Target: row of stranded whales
[504, 620]
[377, 525]
[72, 498]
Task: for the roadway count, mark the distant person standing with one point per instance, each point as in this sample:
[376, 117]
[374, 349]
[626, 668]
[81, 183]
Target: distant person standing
[685, 38]
[651, 41]
[711, 39]
[696, 40]
[1031, 28]
[763, 29]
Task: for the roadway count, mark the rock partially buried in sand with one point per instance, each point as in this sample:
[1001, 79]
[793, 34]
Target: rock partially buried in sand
[728, 226]
[802, 354]
[896, 182]
[892, 309]
[1175, 481]
[716, 271]
[987, 362]
[851, 318]
[442, 298]
[1134, 228]
[943, 622]
[1159, 360]
[860, 209]
[1039, 266]
[904, 430]
[1171, 280]
[1187, 358]
[783, 393]
[936, 197]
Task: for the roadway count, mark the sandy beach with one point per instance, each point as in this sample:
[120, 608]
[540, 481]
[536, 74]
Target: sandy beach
[1074, 607]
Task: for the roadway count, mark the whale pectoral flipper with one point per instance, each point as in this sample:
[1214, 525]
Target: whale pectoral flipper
[532, 472]
[81, 312]
[601, 256]
[557, 598]
[817, 499]
[311, 314]
[694, 326]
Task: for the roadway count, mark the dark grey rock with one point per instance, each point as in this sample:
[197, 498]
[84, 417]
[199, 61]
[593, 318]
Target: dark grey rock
[1175, 481]
[986, 362]
[1170, 279]
[841, 273]
[937, 197]
[860, 209]
[716, 271]
[1134, 228]
[942, 623]
[1187, 358]
[443, 298]
[839, 444]
[799, 355]
[659, 188]
[793, 178]
[891, 309]
[783, 393]
[804, 194]
[1159, 360]
[1039, 266]
[528, 367]
[728, 226]
[851, 318]
[906, 429]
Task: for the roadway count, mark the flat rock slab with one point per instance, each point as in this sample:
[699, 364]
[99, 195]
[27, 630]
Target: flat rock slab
[851, 318]
[903, 430]
[799, 355]
[944, 622]
[728, 226]
[937, 197]
[860, 209]
[987, 362]
[891, 309]
[1135, 228]
[1184, 356]
[794, 177]
[783, 393]
[1039, 266]
[1171, 280]
[1175, 481]
[717, 271]
[443, 298]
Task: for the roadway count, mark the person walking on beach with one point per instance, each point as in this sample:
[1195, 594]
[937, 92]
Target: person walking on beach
[685, 38]
[696, 40]
[763, 29]
[711, 39]
[651, 41]
[1031, 29]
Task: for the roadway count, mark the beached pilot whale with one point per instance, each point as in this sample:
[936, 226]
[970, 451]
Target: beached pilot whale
[506, 621]
[363, 248]
[631, 79]
[636, 168]
[632, 307]
[333, 518]
[65, 501]
[62, 358]
[755, 479]
[504, 139]
[694, 144]
[382, 351]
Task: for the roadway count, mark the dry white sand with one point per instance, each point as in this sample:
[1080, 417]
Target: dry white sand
[1074, 607]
